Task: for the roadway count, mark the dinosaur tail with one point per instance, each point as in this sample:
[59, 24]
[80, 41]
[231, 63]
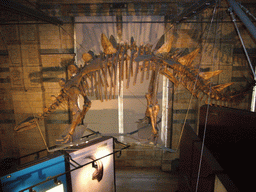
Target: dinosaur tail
[32, 121]
[223, 97]
[199, 84]
[238, 96]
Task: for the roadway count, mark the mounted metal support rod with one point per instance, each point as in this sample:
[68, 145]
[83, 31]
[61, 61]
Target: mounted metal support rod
[243, 17]
[247, 56]
[242, 42]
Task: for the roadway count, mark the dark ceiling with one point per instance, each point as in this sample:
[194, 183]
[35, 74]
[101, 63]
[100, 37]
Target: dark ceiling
[25, 11]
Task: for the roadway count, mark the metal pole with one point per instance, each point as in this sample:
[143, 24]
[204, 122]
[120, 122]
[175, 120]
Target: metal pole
[248, 58]
[243, 17]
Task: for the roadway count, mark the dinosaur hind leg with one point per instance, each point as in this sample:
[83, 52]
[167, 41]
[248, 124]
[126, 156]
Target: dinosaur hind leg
[153, 112]
[152, 104]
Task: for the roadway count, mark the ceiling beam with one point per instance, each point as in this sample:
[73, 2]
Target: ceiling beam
[24, 10]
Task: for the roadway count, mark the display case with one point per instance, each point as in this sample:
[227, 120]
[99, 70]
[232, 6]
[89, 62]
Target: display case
[98, 173]
[84, 166]
[36, 172]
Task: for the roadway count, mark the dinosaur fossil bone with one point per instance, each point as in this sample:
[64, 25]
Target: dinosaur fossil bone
[99, 77]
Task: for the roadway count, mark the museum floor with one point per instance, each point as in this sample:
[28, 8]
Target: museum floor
[145, 179]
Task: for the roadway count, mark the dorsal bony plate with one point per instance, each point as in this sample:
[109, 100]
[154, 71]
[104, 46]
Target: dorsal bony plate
[166, 47]
[107, 45]
[188, 59]
[208, 75]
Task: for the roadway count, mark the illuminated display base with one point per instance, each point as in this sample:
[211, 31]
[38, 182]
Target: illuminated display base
[98, 176]
[58, 188]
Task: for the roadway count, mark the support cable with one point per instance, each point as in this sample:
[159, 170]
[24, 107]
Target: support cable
[72, 36]
[203, 143]
[190, 101]
[208, 105]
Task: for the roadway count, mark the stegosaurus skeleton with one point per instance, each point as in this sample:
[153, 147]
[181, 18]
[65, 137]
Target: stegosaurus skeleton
[101, 72]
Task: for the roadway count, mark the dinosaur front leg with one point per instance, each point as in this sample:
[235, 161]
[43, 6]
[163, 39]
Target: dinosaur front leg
[78, 116]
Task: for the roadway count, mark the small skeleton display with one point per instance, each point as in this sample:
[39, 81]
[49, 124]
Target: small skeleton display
[100, 74]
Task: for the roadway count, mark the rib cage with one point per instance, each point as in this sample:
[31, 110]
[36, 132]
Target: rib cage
[137, 62]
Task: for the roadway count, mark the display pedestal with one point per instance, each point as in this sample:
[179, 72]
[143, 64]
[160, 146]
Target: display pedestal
[89, 165]
[97, 176]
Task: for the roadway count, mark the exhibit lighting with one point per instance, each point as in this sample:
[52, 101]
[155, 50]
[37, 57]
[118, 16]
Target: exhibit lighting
[101, 152]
